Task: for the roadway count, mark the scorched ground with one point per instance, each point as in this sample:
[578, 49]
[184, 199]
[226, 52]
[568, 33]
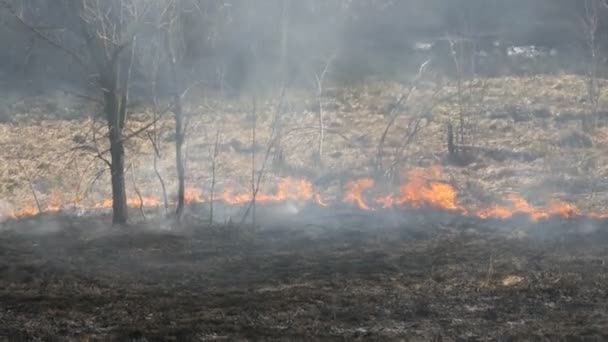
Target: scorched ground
[429, 279]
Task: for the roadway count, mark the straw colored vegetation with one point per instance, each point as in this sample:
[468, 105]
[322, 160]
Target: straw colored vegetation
[524, 134]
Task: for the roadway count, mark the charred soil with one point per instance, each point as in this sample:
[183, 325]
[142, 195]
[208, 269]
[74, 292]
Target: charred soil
[457, 280]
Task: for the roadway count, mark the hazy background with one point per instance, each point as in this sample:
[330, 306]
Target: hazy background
[235, 45]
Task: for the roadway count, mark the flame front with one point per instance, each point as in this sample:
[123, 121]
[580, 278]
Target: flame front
[54, 203]
[420, 191]
[355, 192]
[298, 190]
[193, 196]
[423, 188]
[519, 206]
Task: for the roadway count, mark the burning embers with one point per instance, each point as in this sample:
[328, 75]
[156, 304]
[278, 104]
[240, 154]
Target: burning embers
[421, 189]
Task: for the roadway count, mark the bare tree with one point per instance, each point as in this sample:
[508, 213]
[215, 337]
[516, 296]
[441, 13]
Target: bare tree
[108, 31]
[174, 47]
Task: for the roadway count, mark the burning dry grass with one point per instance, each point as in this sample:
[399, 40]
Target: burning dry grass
[420, 189]
[518, 115]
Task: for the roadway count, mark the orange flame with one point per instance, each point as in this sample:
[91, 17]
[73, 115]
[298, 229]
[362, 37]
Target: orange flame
[24, 212]
[418, 191]
[193, 196]
[521, 206]
[54, 203]
[421, 189]
[299, 190]
[144, 201]
[355, 192]
[320, 201]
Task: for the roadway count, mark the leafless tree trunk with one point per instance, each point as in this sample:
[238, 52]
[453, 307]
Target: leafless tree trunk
[591, 21]
[458, 58]
[254, 192]
[174, 48]
[155, 141]
[108, 32]
[213, 170]
[284, 65]
[179, 157]
[178, 110]
[115, 110]
[319, 80]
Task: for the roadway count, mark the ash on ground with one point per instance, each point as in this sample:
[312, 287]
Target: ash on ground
[354, 277]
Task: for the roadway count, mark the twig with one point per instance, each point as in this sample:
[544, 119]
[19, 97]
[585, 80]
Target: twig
[253, 142]
[459, 75]
[83, 96]
[394, 112]
[31, 186]
[213, 169]
[77, 198]
[154, 141]
[271, 143]
[92, 182]
[153, 136]
[135, 133]
[141, 199]
[95, 148]
[319, 82]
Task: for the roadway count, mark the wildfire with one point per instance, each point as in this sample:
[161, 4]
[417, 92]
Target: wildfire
[422, 188]
[320, 201]
[193, 196]
[292, 189]
[521, 206]
[419, 191]
[355, 192]
[54, 203]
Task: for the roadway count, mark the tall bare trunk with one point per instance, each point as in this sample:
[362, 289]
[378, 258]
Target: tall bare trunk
[117, 152]
[321, 132]
[119, 195]
[179, 157]
[284, 64]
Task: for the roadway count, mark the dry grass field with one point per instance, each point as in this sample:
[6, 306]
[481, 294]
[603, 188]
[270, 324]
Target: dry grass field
[524, 132]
